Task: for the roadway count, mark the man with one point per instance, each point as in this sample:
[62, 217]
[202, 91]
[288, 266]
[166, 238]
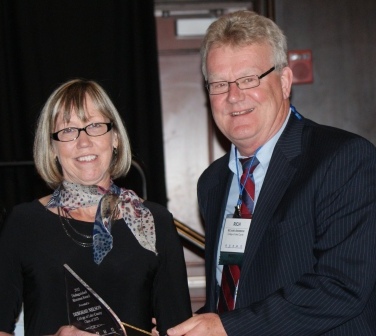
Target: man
[306, 249]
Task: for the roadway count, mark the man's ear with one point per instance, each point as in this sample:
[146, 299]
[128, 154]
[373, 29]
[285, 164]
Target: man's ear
[286, 81]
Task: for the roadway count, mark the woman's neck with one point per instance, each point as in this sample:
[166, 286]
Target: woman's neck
[84, 214]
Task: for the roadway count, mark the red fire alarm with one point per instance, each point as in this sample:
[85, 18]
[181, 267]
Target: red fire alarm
[300, 62]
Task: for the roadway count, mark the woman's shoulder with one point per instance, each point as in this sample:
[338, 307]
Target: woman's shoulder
[157, 209]
[22, 215]
[34, 204]
[44, 200]
[27, 209]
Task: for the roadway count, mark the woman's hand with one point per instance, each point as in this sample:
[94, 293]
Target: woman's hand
[71, 331]
[154, 331]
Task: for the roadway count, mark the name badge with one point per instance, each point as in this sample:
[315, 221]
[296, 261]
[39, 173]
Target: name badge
[234, 239]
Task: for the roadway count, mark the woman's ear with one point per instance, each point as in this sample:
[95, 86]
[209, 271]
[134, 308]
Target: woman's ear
[53, 149]
[115, 140]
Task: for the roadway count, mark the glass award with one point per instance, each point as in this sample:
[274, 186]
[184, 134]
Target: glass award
[89, 312]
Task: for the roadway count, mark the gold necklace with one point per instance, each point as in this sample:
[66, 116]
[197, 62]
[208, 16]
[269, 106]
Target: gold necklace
[68, 224]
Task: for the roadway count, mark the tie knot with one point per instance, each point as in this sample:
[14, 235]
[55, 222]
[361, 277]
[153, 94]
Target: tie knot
[249, 163]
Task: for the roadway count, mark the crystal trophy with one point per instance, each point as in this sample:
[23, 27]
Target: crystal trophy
[89, 312]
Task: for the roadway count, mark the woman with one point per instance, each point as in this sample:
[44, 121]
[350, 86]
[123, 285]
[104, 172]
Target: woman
[126, 249]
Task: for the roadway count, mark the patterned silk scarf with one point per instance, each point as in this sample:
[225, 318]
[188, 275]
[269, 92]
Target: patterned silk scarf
[111, 203]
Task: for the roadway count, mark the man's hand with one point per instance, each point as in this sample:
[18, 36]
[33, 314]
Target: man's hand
[208, 324]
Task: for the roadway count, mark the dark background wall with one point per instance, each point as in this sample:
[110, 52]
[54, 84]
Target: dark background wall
[341, 35]
[45, 43]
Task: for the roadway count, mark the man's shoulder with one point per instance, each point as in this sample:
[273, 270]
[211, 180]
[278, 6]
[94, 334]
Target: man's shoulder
[314, 136]
[215, 172]
[326, 136]
[217, 165]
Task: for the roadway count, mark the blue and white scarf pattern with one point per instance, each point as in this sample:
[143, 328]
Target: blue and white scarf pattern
[115, 200]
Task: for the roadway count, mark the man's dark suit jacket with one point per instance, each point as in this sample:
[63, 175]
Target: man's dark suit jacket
[309, 267]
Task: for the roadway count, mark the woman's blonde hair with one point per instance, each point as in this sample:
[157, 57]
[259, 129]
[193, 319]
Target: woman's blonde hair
[244, 28]
[71, 96]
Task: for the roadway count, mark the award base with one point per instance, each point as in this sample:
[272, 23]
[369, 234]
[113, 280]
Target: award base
[89, 312]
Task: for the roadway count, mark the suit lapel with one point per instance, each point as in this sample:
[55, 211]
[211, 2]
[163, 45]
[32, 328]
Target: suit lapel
[277, 180]
[217, 198]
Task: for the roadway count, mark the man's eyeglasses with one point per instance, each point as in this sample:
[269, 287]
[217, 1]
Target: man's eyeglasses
[243, 83]
[72, 133]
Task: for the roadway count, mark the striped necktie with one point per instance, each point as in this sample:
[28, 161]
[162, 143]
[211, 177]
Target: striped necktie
[248, 184]
[231, 273]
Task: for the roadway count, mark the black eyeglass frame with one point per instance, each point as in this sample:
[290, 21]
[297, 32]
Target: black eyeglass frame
[236, 81]
[55, 136]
